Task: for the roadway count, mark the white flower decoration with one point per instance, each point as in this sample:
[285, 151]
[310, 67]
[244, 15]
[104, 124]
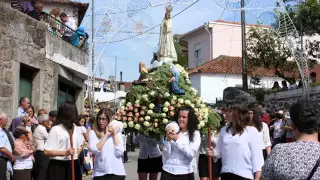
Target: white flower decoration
[146, 124]
[151, 106]
[166, 104]
[137, 126]
[165, 121]
[166, 94]
[150, 112]
[152, 93]
[147, 118]
[124, 124]
[131, 124]
[180, 101]
[165, 109]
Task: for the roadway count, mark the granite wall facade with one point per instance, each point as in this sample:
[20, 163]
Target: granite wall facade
[26, 42]
[283, 100]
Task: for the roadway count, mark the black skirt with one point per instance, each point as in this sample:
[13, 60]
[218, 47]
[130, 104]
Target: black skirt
[167, 176]
[61, 170]
[150, 165]
[230, 176]
[203, 166]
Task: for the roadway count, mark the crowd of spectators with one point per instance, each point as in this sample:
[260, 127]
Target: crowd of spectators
[59, 24]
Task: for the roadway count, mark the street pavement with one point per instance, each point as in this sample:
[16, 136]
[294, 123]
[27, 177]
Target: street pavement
[131, 167]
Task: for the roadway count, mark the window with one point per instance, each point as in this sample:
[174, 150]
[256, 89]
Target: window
[197, 54]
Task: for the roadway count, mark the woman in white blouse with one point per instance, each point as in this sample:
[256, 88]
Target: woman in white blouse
[58, 147]
[181, 147]
[105, 141]
[263, 129]
[150, 159]
[239, 147]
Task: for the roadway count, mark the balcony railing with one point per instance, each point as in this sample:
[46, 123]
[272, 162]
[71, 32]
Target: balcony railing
[59, 29]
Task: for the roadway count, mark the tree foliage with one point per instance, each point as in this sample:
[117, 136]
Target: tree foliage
[266, 49]
[182, 58]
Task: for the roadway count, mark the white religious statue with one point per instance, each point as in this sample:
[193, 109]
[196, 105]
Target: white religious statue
[166, 53]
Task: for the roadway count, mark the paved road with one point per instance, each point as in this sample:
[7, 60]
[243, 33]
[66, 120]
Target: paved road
[131, 168]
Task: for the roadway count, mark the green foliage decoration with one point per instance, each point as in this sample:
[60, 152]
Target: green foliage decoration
[138, 111]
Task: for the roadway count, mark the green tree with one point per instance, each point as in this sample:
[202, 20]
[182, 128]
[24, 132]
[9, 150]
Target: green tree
[182, 58]
[266, 49]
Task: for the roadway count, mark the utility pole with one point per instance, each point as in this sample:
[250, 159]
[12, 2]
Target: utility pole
[92, 54]
[115, 84]
[244, 53]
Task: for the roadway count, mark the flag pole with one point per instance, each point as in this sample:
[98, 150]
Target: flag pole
[209, 156]
[72, 156]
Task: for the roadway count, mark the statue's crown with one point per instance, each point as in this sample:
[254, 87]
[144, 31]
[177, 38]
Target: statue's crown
[169, 8]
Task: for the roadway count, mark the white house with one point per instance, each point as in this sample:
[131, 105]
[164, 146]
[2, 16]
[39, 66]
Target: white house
[211, 78]
[214, 59]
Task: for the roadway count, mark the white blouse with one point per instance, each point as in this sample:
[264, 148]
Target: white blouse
[240, 154]
[109, 159]
[59, 140]
[265, 136]
[179, 157]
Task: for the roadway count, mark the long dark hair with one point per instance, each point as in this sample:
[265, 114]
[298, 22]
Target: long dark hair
[67, 115]
[192, 120]
[256, 120]
[240, 119]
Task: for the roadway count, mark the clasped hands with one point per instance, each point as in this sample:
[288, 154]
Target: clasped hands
[112, 130]
[171, 135]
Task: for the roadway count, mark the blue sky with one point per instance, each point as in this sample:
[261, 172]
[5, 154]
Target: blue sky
[131, 52]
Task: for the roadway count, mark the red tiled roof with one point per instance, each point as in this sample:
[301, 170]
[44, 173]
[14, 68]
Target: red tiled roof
[230, 65]
[68, 2]
[238, 23]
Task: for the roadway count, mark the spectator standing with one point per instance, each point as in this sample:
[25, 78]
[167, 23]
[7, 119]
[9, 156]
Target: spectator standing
[40, 136]
[24, 106]
[284, 85]
[6, 148]
[69, 27]
[38, 8]
[313, 77]
[76, 37]
[33, 119]
[52, 117]
[55, 12]
[23, 151]
[296, 160]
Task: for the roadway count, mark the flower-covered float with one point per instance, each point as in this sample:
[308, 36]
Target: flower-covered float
[152, 101]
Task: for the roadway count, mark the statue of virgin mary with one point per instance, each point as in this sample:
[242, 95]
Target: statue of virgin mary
[166, 52]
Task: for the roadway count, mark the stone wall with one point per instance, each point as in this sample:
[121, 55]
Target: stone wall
[283, 100]
[24, 40]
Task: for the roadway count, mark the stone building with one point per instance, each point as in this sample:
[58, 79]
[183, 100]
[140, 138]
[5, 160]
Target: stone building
[36, 64]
